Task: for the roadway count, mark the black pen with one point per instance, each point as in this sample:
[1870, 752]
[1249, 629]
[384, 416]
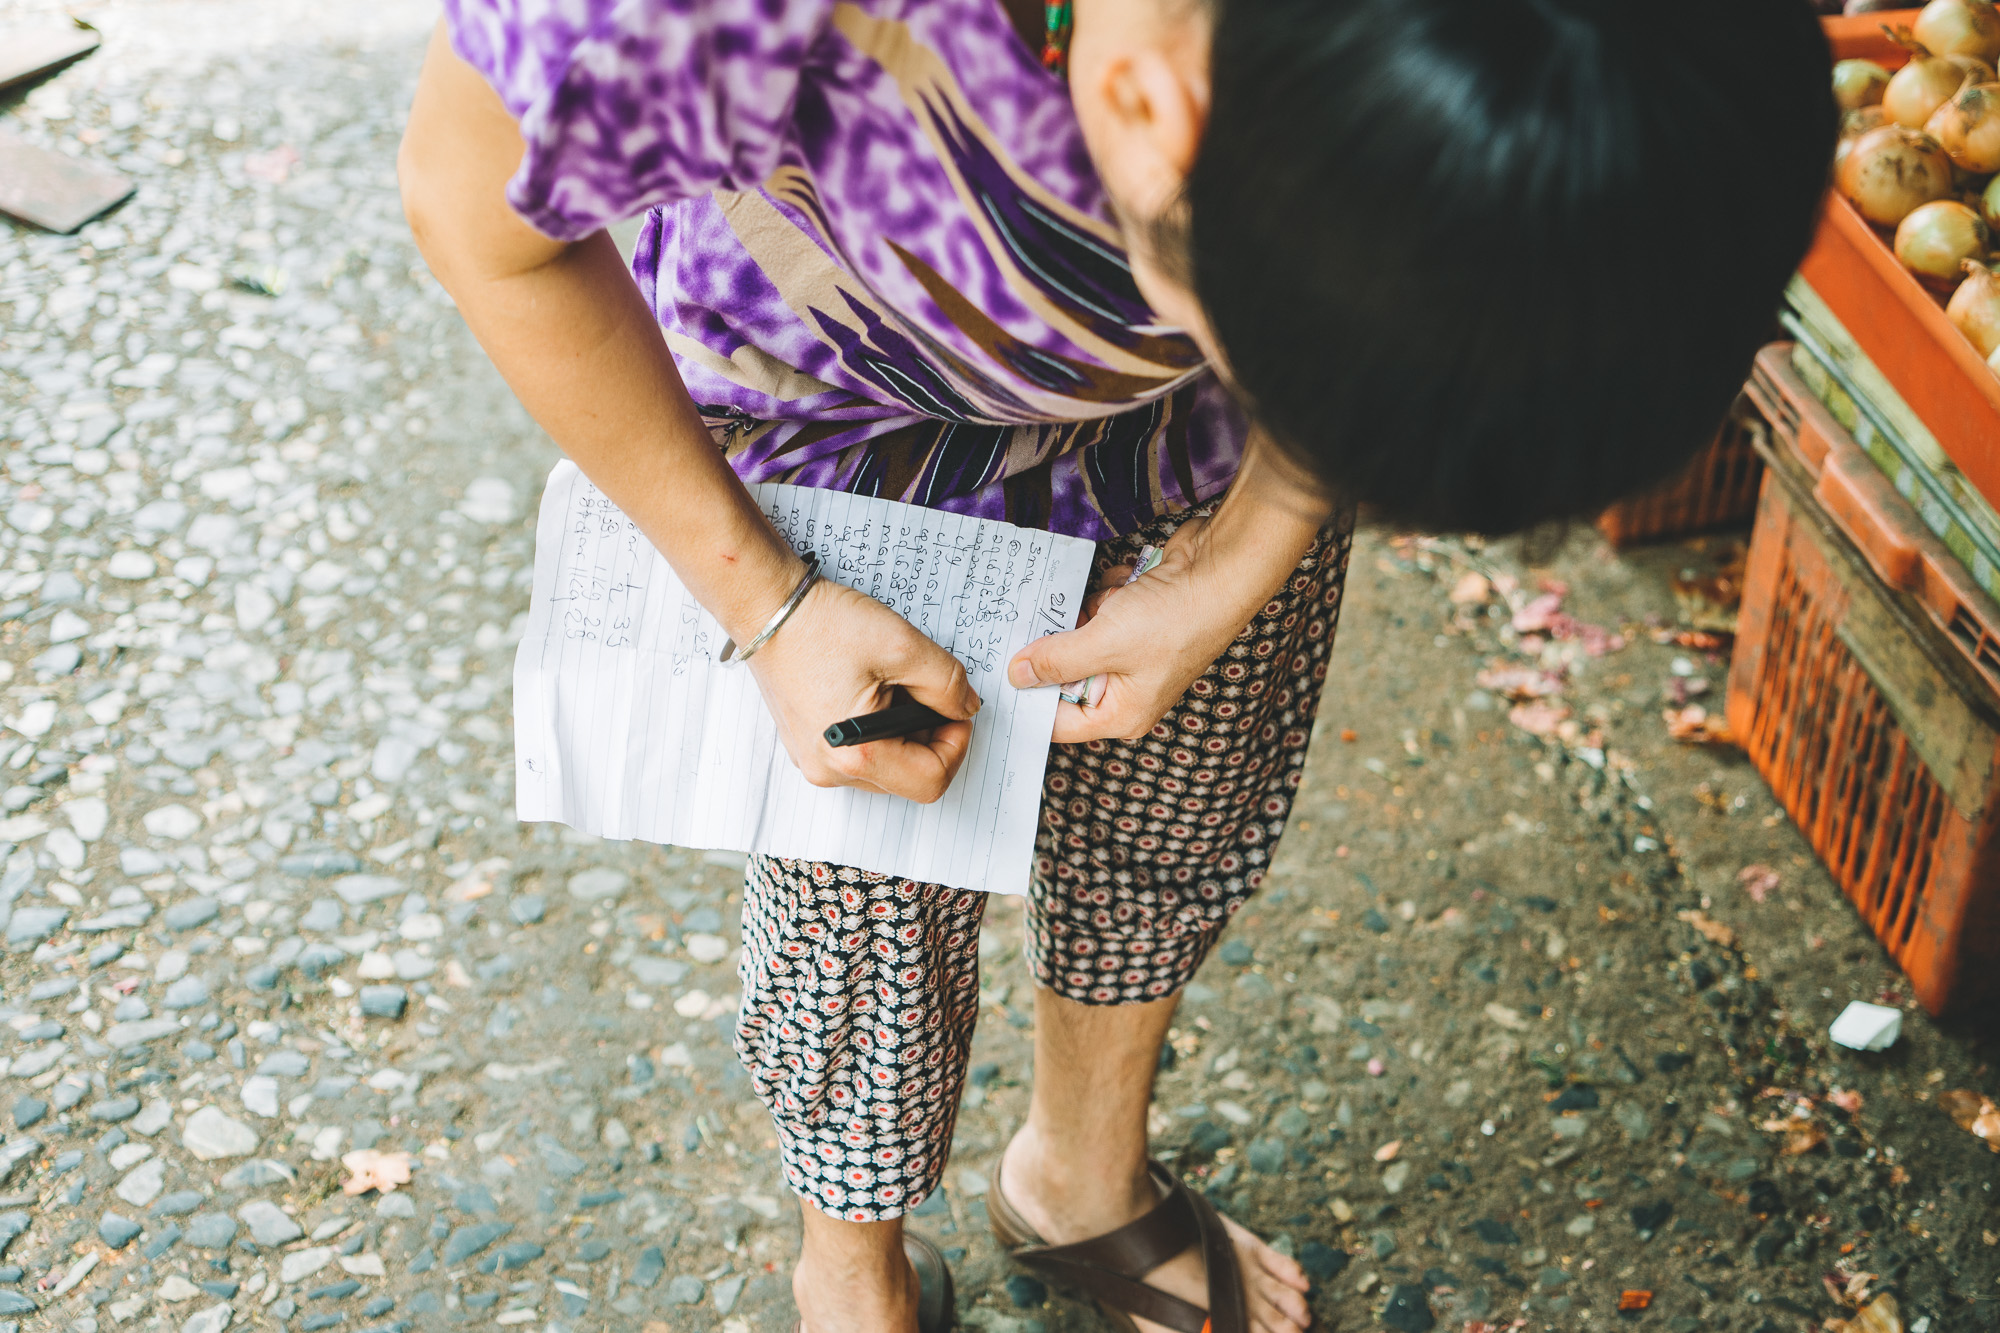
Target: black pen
[895, 720]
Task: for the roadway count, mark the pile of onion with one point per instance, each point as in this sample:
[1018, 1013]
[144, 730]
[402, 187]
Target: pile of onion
[1919, 155]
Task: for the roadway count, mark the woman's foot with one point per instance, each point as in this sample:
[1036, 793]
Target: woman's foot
[1067, 1200]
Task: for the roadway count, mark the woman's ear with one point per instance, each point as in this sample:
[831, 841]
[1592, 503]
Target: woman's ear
[1155, 107]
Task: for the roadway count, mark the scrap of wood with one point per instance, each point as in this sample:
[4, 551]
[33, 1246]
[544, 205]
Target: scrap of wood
[26, 56]
[53, 191]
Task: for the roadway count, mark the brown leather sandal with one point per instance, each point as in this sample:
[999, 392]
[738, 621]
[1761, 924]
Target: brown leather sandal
[937, 1308]
[1109, 1268]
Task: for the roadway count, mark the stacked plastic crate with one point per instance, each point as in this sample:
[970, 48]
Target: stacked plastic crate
[1866, 677]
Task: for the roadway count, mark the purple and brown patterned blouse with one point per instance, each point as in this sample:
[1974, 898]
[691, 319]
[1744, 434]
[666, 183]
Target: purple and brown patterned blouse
[875, 243]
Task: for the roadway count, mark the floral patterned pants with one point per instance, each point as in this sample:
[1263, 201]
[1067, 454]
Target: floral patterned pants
[860, 991]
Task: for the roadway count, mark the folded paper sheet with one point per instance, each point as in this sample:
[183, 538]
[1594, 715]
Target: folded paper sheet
[627, 727]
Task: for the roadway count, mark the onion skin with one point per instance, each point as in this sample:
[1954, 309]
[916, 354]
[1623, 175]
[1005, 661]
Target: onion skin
[1959, 27]
[1934, 241]
[1989, 203]
[1976, 71]
[1854, 124]
[1891, 170]
[1858, 122]
[1975, 308]
[1919, 88]
[1993, 363]
[1858, 83]
[1968, 128]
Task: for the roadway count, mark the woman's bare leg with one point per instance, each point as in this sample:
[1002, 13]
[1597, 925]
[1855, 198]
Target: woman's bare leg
[1077, 1168]
[853, 1277]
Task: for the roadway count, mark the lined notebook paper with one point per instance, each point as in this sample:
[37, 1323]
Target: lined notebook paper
[627, 727]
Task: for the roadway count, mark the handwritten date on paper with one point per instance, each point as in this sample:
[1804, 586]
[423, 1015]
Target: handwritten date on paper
[627, 727]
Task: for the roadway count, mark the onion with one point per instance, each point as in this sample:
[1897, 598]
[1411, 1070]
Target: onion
[1858, 83]
[1968, 128]
[1936, 239]
[1989, 203]
[1854, 124]
[1993, 363]
[1976, 70]
[1891, 170]
[1959, 27]
[1975, 308]
[1919, 88]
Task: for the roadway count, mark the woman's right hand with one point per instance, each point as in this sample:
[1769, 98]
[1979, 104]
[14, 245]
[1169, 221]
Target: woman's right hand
[842, 654]
[568, 328]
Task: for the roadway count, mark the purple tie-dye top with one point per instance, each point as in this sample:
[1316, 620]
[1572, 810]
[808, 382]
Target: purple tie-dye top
[875, 243]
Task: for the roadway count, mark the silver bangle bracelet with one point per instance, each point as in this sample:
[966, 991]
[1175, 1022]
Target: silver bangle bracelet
[731, 654]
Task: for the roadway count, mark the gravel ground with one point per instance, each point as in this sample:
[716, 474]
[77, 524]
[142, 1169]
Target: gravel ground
[1504, 1038]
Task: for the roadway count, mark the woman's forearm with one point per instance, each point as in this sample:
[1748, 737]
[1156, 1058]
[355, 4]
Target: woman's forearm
[568, 330]
[1258, 533]
[578, 346]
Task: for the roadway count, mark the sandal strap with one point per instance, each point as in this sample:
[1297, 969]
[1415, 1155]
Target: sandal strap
[935, 1298]
[1228, 1300]
[1110, 1267]
[1144, 1243]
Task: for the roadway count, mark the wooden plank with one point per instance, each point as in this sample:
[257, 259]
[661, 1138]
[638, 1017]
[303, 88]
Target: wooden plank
[53, 191]
[28, 55]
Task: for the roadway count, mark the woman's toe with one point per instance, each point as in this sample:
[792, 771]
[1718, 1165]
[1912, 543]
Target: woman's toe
[1268, 1317]
[1278, 1266]
[1284, 1269]
[1284, 1303]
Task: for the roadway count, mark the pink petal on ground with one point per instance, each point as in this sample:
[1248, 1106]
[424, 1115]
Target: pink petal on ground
[1519, 682]
[1758, 881]
[1537, 719]
[1537, 614]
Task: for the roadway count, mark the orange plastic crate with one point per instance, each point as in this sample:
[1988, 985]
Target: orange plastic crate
[1873, 724]
[1897, 323]
[1718, 489]
[1903, 552]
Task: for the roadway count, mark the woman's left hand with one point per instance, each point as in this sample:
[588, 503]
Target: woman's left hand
[1153, 638]
[1149, 640]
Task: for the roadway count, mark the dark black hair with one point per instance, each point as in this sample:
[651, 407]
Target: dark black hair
[1485, 263]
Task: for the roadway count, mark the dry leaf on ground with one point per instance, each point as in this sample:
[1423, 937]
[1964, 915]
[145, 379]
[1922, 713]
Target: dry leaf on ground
[1710, 602]
[1973, 1112]
[1697, 726]
[1709, 928]
[1471, 588]
[1801, 1138]
[1881, 1315]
